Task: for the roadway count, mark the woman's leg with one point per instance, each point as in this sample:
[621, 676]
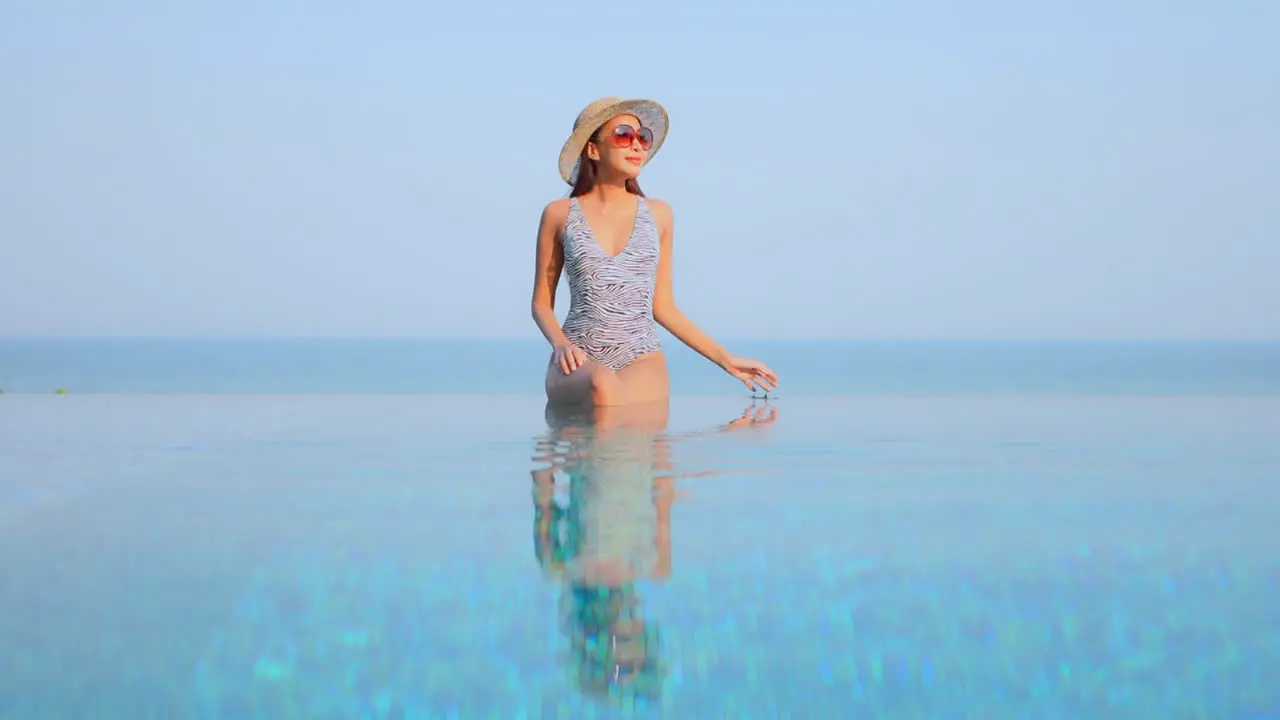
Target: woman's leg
[591, 384]
[646, 380]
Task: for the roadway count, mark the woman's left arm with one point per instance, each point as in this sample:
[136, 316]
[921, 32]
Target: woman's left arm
[754, 374]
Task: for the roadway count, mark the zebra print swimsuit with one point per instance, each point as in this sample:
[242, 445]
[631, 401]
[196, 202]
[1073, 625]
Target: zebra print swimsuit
[611, 297]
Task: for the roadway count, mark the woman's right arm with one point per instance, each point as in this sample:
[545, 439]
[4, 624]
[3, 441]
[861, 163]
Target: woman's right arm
[550, 261]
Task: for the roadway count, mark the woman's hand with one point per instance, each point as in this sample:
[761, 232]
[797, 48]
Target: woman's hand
[754, 374]
[569, 358]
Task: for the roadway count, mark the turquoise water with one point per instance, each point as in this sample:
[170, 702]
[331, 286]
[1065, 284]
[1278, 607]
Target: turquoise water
[1020, 548]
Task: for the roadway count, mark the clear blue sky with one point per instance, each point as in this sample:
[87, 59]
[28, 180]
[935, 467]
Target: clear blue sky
[915, 169]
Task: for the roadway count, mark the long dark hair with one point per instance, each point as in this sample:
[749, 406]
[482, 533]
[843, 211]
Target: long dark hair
[587, 175]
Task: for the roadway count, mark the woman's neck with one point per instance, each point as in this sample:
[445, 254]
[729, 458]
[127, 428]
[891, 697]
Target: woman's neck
[608, 192]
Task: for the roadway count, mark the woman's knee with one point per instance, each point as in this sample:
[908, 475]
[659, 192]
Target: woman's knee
[605, 388]
[590, 383]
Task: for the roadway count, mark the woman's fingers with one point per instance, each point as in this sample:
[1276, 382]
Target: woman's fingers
[768, 373]
[570, 359]
[770, 376]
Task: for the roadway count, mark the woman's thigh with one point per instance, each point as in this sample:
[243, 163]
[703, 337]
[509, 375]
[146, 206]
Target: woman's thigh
[645, 380]
[582, 386]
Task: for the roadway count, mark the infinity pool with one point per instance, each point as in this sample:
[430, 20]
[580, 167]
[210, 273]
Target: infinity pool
[428, 557]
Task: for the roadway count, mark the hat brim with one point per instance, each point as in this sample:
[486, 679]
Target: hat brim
[651, 114]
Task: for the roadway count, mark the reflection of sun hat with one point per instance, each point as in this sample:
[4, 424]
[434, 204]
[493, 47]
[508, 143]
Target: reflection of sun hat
[615, 652]
[651, 114]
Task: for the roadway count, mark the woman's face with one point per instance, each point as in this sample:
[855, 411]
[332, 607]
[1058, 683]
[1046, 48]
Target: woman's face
[621, 146]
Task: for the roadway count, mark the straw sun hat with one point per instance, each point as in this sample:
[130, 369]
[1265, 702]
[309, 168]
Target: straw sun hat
[651, 114]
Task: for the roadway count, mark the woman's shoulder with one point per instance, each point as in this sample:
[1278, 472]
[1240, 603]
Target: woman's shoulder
[659, 205]
[661, 210]
[555, 213]
[556, 209]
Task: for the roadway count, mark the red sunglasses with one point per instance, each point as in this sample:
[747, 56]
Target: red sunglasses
[624, 135]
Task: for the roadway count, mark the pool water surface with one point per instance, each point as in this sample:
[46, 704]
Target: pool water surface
[205, 556]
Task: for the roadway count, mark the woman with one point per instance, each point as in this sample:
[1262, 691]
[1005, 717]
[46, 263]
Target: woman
[615, 246]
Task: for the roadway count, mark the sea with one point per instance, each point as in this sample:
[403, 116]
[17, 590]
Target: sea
[400, 528]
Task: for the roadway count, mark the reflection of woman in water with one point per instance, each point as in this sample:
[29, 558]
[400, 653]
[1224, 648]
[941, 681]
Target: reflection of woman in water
[611, 534]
